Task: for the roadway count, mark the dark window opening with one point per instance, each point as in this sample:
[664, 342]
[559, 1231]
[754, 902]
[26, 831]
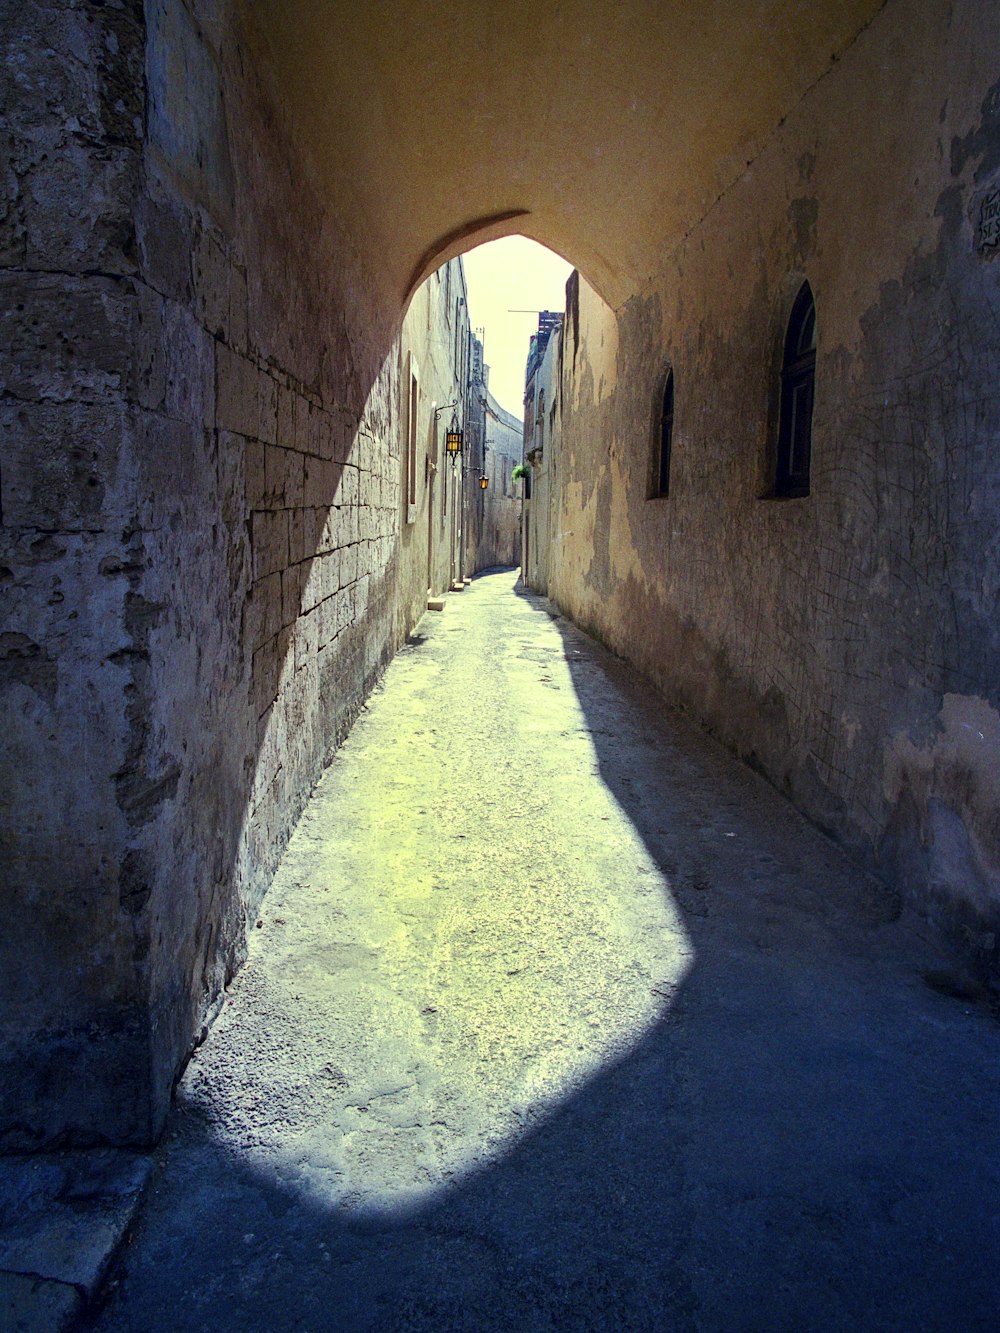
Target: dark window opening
[798, 378]
[665, 438]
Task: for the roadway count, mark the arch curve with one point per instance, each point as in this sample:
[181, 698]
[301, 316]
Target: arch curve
[466, 236]
[469, 235]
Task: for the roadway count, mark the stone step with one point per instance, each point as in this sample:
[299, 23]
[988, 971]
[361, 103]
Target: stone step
[63, 1219]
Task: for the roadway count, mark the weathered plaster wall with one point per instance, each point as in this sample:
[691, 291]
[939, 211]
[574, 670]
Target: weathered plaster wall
[846, 643]
[202, 559]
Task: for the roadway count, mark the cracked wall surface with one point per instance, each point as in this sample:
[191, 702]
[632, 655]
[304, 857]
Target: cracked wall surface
[846, 643]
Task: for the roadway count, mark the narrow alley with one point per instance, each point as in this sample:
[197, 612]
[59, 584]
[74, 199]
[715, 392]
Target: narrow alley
[556, 1016]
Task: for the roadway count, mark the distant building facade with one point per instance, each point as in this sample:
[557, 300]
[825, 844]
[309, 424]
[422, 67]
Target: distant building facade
[493, 512]
[541, 409]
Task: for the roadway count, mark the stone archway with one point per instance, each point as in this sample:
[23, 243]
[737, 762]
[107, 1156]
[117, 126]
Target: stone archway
[218, 215]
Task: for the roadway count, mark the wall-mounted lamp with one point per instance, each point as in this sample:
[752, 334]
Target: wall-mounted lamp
[484, 483]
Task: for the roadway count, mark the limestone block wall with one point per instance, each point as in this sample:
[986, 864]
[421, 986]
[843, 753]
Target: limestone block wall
[846, 643]
[80, 377]
[204, 563]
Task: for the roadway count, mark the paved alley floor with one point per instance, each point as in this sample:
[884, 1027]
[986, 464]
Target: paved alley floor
[559, 1018]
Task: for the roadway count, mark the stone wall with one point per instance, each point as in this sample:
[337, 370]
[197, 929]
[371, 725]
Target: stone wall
[845, 643]
[204, 559]
[435, 334]
[500, 543]
[81, 379]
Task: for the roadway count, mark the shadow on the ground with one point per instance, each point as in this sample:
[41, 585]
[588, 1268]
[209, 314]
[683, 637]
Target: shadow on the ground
[807, 1139]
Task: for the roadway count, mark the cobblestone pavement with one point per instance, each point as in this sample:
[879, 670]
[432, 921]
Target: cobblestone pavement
[559, 1018]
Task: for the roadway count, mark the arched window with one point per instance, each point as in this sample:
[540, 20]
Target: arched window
[798, 377]
[662, 479]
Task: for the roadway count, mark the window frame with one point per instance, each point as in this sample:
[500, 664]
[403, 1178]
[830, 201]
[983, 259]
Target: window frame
[796, 400]
[412, 413]
[664, 411]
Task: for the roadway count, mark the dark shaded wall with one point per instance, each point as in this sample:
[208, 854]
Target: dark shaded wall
[204, 566]
[846, 643]
[80, 378]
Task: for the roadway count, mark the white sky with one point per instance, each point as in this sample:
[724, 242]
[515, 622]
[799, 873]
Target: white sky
[513, 273]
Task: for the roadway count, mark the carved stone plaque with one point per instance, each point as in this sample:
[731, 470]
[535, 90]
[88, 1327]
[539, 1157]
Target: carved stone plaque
[988, 231]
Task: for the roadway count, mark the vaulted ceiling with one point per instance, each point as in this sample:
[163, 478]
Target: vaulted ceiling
[602, 128]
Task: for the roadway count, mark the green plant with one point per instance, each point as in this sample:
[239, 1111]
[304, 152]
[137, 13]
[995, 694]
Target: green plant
[520, 470]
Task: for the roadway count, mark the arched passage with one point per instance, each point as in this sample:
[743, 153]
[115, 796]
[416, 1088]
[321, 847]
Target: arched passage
[217, 218]
[605, 129]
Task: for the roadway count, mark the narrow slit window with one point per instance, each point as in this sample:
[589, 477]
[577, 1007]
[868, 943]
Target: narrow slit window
[665, 438]
[412, 407]
[798, 379]
[411, 451]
